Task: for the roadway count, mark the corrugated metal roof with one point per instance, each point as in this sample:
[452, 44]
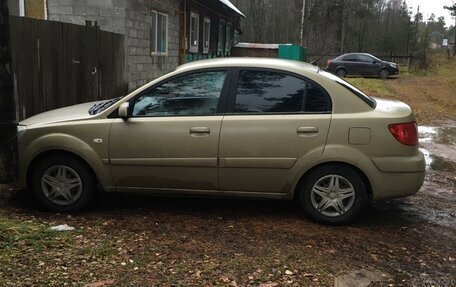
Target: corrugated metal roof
[232, 7]
[258, 45]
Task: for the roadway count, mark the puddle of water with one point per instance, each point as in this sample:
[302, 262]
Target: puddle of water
[438, 146]
[448, 136]
[427, 157]
[425, 130]
[426, 135]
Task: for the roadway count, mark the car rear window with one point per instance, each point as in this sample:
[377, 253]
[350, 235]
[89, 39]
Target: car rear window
[365, 98]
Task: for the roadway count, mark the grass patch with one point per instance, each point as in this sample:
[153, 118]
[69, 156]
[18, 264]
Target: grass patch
[373, 87]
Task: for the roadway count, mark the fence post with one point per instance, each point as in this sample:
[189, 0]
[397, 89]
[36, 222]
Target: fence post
[409, 63]
[8, 141]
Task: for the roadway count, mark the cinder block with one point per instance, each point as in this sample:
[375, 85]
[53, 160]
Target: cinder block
[100, 3]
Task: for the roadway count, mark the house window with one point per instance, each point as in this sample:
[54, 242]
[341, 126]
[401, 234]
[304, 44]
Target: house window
[159, 33]
[228, 38]
[194, 32]
[221, 38]
[206, 35]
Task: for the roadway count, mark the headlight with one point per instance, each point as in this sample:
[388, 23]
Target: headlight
[393, 66]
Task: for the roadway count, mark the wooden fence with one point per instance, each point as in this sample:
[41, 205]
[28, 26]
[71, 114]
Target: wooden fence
[58, 64]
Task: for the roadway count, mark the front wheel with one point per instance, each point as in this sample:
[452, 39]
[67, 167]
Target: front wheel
[63, 183]
[333, 194]
[384, 74]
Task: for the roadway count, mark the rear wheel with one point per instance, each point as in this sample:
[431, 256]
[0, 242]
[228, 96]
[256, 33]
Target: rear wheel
[63, 184]
[333, 194]
[384, 74]
[341, 73]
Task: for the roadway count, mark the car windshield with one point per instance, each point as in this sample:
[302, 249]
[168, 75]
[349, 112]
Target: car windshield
[368, 100]
[103, 105]
[375, 58]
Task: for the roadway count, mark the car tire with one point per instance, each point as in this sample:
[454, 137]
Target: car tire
[341, 73]
[384, 74]
[63, 183]
[327, 203]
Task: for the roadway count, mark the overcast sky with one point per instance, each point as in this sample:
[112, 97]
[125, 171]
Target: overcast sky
[433, 6]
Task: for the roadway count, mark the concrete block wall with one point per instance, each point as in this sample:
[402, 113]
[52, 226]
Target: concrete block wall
[131, 18]
[109, 14]
[142, 66]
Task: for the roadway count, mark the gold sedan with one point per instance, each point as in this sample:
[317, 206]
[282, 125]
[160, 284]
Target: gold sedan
[246, 127]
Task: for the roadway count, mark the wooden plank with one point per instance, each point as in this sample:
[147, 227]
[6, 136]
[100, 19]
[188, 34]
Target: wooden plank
[15, 26]
[36, 67]
[120, 85]
[91, 65]
[50, 48]
[107, 73]
[74, 45]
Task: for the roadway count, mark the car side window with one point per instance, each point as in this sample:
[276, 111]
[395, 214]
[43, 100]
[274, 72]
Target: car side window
[365, 59]
[260, 92]
[351, 58]
[193, 94]
[316, 100]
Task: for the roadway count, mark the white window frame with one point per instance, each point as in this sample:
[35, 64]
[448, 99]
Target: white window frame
[22, 8]
[206, 42]
[194, 43]
[228, 37]
[221, 37]
[154, 50]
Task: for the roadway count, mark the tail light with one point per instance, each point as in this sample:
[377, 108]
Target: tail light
[329, 63]
[405, 133]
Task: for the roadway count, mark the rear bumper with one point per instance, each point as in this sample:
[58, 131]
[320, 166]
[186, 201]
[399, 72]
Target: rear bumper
[398, 176]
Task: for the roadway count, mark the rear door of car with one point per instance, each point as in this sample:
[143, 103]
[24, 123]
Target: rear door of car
[171, 140]
[350, 62]
[273, 120]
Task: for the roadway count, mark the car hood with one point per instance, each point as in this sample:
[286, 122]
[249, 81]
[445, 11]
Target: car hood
[71, 113]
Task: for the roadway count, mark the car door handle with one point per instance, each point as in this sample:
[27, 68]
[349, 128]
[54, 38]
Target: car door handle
[200, 131]
[307, 131]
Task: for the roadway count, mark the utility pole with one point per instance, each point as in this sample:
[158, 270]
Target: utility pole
[302, 21]
[8, 141]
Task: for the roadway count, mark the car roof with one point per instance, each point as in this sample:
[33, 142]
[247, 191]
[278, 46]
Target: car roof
[270, 63]
[349, 54]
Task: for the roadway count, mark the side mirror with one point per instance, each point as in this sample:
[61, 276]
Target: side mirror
[123, 110]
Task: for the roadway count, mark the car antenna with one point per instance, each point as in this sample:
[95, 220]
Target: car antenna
[314, 62]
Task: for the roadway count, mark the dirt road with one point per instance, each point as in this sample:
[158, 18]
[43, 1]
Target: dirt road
[138, 240]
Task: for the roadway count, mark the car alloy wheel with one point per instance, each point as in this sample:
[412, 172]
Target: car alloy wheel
[61, 185]
[332, 195]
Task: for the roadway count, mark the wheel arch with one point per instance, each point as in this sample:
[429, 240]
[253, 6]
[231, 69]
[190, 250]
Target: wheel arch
[55, 152]
[341, 68]
[341, 163]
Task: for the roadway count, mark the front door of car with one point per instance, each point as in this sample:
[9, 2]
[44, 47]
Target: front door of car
[367, 65]
[275, 122]
[171, 140]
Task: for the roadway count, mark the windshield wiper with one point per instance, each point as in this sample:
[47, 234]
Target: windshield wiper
[97, 108]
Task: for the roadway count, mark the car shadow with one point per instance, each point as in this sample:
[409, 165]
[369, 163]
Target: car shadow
[392, 213]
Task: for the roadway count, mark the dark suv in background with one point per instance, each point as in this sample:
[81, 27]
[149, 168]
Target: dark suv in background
[361, 64]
